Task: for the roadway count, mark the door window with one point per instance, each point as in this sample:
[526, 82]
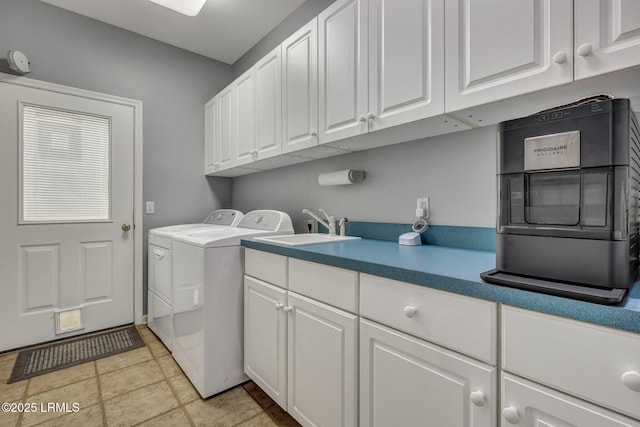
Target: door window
[65, 166]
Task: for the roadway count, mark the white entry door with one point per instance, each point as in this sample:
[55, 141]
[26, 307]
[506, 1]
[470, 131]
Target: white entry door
[66, 214]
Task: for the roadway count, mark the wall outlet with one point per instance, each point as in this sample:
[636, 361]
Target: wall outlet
[312, 226]
[423, 203]
[150, 208]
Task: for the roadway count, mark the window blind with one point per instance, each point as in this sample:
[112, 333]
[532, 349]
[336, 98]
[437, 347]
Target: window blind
[66, 164]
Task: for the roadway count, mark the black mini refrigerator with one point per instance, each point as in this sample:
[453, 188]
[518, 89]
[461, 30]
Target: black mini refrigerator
[568, 189]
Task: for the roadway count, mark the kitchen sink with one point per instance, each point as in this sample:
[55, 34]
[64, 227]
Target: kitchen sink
[304, 239]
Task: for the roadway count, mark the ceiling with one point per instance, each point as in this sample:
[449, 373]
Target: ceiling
[224, 30]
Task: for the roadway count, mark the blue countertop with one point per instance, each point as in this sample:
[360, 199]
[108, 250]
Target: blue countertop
[454, 270]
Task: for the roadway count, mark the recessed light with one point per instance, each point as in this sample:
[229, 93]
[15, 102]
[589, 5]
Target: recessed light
[185, 7]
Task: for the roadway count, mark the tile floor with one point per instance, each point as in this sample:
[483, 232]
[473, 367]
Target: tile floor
[142, 387]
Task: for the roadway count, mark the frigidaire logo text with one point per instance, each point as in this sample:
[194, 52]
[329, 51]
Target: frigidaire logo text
[550, 149]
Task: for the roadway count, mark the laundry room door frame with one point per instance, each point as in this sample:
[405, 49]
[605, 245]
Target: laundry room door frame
[136, 105]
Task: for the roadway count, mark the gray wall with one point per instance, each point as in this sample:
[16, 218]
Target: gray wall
[173, 84]
[456, 171]
[303, 14]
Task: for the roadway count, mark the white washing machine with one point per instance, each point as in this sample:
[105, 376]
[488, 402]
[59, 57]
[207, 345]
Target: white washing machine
[160, 293]
[208, 269]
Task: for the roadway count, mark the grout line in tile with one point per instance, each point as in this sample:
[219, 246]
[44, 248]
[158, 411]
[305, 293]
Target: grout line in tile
[25, 394]
[181, 405]
[100, 397]
[164, 413]
[133, 389]
[129, 366]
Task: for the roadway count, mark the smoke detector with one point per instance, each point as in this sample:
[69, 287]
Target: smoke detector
[18, 62]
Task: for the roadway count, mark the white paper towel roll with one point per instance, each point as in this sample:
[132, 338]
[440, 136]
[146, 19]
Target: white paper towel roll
[348, 176]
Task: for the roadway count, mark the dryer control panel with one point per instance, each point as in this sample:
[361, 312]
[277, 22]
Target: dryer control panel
[267, 220]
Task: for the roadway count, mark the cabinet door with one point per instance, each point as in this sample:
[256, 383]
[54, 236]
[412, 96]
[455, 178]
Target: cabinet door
[322, 358]
[409, 382]
[343, 68]
[268, 78]
[211, 136]
[265, 338]
[244, 119]
[226, 132]
[607, 36]
[527, 404]
[300, 89]
[406, 57]
[589, 361]
[497, 49]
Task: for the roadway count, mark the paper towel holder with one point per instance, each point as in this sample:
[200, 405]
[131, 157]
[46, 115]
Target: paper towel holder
[347, 176]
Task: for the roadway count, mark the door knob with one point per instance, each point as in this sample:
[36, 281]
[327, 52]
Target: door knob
[560, 57]
[410, 311]
[631, 379]
[511, 415]
[478, 398]
[126, 227]
[585, 49]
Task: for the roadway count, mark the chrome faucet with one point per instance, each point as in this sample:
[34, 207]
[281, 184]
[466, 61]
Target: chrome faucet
[330, 224]
[343, 226]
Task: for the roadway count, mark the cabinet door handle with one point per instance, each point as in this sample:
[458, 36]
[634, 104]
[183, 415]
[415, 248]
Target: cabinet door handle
[410, 311]
[371, 116]
[314, 133]
[287, 309]
[560, 57]
[478, 398]
[585, 49]
[631, 379]
[158, 253]
[279, 306]
[362, 118]
[511, 415]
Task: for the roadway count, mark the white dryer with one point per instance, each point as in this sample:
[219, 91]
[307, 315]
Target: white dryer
[208, 269]
[160, 293]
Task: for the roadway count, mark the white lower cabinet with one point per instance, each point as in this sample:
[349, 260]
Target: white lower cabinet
[322, 363]
[301, 352]
[593, 363]
[422, 357]
[406, 381]
[528, 404]
[265, 338]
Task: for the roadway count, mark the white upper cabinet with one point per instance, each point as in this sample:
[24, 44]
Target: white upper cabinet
[244, 121]
[497, 49]
[300, 89]
[211, 135]
[268, 105]
[381, 65]
[226, 137]
[607, 36]
[406, 57]
[218, 131]
[343, 69]
[256, 112]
